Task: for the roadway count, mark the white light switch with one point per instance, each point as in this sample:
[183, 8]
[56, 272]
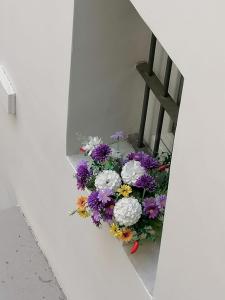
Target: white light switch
[7, 93]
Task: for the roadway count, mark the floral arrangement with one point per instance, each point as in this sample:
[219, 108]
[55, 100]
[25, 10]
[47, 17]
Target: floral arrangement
[127, 192]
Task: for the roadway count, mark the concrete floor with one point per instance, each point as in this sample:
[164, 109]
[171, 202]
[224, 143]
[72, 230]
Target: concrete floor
[24, 271]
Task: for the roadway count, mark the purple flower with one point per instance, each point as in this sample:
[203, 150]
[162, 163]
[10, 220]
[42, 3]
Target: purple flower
[82, 174]
[93, 201]
[119, 135]
[146, 160]
[96, 218]
[108, 212]
[146, 182]
[151, 208]
[161, 201]
[138, 156]
[104, 195]
[149, 162]
[101, 152]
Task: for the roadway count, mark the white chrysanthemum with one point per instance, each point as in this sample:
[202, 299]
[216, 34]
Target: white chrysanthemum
[127, 211]
[92, 143]
[108, 180]
[131, 171]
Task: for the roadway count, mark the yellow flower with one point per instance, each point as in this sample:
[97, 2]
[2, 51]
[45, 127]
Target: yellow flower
[125, 190]
[127, 235]
[115, 230]
[81, 202]
[83, 213]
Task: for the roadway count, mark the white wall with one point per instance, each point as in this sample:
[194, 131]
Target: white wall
[35, 43]
[193, 250]
[7, 196]
[35, 48]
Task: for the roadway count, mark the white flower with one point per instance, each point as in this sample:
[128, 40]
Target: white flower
[127, 211]
[92, 143]
[108, 180]
[131, 171]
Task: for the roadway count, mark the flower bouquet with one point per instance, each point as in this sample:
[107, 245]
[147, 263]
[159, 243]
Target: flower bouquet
[126, 191]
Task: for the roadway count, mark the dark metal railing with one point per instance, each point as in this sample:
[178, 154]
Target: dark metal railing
[179, 95]
[147, 70]
[161, 92]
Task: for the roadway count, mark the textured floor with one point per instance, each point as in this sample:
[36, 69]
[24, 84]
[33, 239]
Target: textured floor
[24, 271]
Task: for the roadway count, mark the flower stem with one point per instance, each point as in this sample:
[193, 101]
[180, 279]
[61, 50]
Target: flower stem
[117, 144]
[72, 212]
[143, 195]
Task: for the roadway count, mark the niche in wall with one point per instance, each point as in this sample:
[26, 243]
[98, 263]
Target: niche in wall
[106, 90]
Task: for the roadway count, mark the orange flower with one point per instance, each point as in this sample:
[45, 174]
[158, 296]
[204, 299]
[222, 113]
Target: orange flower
[126, 235]
[81, 202]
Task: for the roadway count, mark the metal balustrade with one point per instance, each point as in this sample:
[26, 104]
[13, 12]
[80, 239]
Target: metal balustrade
[161, 92]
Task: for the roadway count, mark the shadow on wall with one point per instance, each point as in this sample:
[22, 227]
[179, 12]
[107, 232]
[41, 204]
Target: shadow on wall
[7, 196]
[106, 91]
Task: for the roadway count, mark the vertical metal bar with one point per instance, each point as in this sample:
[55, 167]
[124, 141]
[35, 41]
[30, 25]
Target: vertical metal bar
[161, 110]
[158, 131]
[167, 76]
[147, 91]
[179, 95]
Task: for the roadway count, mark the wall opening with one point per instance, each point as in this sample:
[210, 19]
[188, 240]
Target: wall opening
[111, 67]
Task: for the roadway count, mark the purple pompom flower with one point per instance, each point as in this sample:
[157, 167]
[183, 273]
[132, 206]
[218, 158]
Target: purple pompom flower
[146, 160]
[82, 174]
[151, 208]
[118, 136]
[93, 201]
[149, 162]
[161, 201]
[146, 182]
[101, 152]
[104, 195]
[108, 212]
[96, 218]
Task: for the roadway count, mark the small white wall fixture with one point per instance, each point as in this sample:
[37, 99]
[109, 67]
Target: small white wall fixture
[7, 92]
